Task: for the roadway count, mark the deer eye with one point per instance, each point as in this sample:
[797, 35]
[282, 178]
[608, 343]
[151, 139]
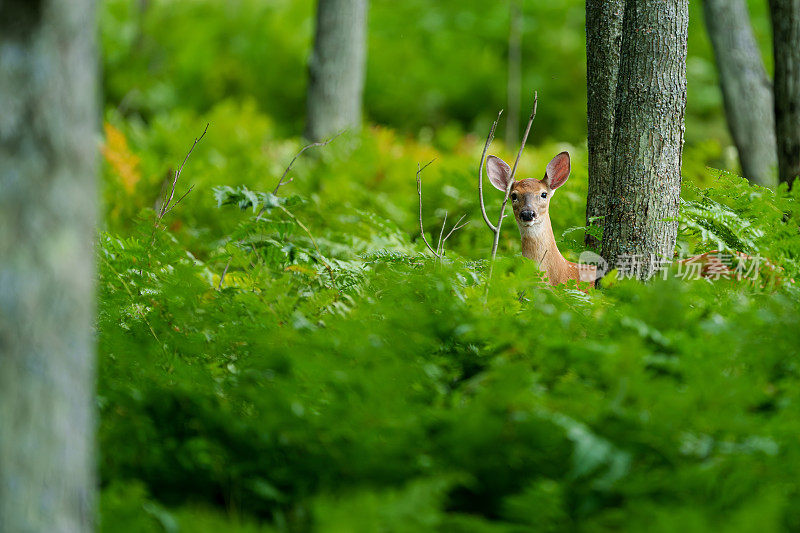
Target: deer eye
[513, 197]
[544, 195]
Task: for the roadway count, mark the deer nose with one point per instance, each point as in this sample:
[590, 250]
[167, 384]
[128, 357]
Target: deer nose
[527, 216]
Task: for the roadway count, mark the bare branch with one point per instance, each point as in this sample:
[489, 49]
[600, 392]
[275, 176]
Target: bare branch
[312, 145]
[179, 200]
[453, 230]
[527, 131]
[419, 194]
[496, 229]
[165, 207]
[222, 277]
[489, 140]
[166, 203]
[441, 233]
[513, 174]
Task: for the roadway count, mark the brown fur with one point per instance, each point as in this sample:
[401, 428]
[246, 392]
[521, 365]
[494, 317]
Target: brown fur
[538, 241]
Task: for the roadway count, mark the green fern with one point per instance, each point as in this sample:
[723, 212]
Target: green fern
[718, 225]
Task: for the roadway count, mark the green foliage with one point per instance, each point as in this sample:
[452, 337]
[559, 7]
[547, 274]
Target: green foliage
[300, 362]
[736, 216]
[160, 55]
[340, 379]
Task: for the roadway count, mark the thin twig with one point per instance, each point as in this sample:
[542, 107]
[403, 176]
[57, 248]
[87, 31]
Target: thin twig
[222, 277]
[497, 228]
[441, 234]
[455, 228]
[489, 140]
[165, 206]
[167, 198]
[313, 241]
[513, 174]
[439, 251]
[527, 131]
[419, 194]
[312, 145]
[179, 200]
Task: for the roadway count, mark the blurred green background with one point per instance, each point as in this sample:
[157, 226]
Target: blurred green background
[433, 66]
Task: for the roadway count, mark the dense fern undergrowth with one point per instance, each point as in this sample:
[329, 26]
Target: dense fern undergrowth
[299, 362]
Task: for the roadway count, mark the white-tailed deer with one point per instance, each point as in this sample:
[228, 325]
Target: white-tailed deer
[530, 199]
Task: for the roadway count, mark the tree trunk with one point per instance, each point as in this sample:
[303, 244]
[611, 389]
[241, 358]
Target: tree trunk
[648, 134]
[746, 89]
[786, 46]
[48, 138]
[603, 41]
[336, 68]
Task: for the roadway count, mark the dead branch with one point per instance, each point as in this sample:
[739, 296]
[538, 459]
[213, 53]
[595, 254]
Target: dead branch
[312, 145]
[179, 200]
[439, 251]
[441, 234]
[489, 140]
[496, 228]
[513, 174]
[224, 272]
[455, 228]
[525, 136]
[419, 194]
[165, 206]
[166, 202]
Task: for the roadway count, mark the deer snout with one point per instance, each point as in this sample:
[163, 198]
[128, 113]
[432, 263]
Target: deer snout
[527, 215]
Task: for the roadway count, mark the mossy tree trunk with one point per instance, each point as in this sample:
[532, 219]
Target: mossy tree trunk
[603, 40]
[648, 134]
[336, 68]
[48, 137]
[746, 89]
[785, 16]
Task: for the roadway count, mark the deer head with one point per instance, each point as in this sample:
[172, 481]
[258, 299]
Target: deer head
[530, 198]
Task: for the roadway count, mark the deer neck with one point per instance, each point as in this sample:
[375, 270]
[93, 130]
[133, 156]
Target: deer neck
[539, 244]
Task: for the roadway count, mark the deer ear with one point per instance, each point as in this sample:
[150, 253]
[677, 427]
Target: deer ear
[498, 171]
[557, 171]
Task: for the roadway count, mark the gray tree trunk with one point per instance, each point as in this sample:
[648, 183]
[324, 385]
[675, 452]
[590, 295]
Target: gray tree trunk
[48, 142]
[786, 46]
[603, 41]
[746, 89]
[648, 134]
[336, 68]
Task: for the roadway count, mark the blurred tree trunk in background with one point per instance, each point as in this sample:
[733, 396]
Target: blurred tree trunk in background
[603, 40]
[746, 89]
[785, 16]
[648, 134]
[48, 138]
[336, 69]
[514, 89]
